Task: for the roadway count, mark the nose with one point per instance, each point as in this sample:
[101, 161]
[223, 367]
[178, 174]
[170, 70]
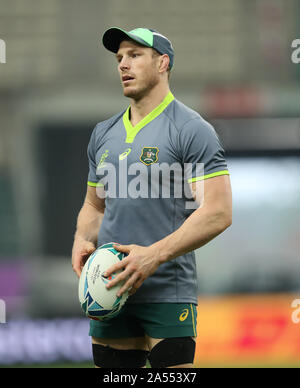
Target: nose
[124, 64]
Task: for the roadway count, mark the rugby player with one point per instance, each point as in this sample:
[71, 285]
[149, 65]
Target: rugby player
[158, 233]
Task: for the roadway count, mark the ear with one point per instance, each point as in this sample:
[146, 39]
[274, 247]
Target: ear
[164, 63]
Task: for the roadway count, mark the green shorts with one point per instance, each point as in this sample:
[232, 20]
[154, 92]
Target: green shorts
[157, 320]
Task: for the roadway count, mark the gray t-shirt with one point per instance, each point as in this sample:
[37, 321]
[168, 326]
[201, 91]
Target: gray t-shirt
[146, 200]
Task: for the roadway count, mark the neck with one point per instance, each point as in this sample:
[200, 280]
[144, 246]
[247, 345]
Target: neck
[142, 107]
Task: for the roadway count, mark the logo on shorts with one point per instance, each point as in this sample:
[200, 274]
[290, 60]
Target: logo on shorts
[149, 155]
[183, 316]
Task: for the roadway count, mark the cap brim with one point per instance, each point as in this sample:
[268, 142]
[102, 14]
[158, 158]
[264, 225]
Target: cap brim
[114, 36]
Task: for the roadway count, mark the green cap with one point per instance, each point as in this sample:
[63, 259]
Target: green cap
[145, 36]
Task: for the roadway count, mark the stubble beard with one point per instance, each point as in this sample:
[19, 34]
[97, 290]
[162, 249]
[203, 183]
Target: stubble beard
[140, 92]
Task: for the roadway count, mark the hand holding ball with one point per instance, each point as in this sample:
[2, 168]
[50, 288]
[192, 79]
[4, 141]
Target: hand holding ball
[96, 300]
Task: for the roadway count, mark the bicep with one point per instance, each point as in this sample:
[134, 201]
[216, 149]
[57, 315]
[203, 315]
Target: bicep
[94, 198]
[213, 193]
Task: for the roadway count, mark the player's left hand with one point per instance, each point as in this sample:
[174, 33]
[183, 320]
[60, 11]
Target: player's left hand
[140, 263]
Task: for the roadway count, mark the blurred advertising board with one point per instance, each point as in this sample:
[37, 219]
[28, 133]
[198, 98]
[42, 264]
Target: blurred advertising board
[261, 329]
[249, 101]
[258, 330]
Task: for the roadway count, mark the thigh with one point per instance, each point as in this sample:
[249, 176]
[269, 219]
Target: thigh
[168, 320]
[122, 329]
[118, 342]
[173, 321]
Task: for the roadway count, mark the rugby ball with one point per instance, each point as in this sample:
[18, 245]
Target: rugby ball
[96, 300]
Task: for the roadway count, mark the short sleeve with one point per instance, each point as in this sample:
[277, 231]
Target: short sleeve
[201, 150]
[91, 153]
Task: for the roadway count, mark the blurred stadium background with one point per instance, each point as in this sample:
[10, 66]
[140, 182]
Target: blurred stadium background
[233, 65]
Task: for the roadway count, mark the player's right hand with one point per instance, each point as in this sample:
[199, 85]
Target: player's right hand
[81, 251]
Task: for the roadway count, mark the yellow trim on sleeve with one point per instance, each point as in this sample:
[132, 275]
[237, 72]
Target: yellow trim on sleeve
[201, 178]
[92, 184]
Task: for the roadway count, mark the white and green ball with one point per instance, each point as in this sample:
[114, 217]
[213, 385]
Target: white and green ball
[96, 300]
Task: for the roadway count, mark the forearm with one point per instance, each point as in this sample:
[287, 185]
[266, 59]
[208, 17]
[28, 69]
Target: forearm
[141, 262]
[88, 223]
[200, 228]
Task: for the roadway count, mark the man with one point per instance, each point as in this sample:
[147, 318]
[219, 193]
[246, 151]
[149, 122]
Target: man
[157, 232]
